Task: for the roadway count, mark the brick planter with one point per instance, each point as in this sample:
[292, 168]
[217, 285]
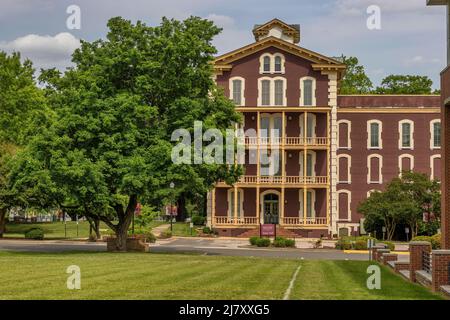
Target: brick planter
[133, 244]
[440, 271]
[380, 253]
[389, 257]
[416, 251]
[375, 251]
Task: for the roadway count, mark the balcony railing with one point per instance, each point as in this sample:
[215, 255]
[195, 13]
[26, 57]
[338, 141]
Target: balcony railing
[288, 141]
[287, 180]
[297, 221]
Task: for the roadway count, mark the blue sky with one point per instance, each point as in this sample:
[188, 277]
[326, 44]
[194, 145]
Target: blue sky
[411, 39]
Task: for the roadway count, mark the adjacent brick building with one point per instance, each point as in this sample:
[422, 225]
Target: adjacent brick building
[333, 149]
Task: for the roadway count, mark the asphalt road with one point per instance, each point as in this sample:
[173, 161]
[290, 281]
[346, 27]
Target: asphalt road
[198, 246]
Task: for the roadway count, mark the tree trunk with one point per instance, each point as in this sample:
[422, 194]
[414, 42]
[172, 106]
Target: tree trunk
[124, 223]
[2, 222]
[181, 203]
[97, 228]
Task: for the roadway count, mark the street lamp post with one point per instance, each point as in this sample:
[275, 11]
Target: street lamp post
[384, 232]
[172, 186]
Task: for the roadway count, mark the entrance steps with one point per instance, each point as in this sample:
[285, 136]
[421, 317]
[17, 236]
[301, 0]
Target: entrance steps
[281, 232]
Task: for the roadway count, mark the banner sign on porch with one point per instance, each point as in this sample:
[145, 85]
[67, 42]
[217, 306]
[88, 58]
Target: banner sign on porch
[268, 230]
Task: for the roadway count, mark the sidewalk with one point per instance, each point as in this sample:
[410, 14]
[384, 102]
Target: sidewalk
[160, 229]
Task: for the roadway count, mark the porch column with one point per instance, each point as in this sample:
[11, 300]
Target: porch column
[305, 163]
[258, 141]
[257, 205]
[328, 170]
[283, 165]
[213, 206]
[235, 203]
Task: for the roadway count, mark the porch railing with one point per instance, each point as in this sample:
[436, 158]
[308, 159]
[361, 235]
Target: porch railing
[297, 221]
[427, 262]
[238, 221]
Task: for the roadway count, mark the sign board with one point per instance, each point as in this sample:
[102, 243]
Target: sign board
[171, 211]
[268, 230]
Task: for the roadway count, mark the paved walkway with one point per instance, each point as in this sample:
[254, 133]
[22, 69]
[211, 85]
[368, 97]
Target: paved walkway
[160, 229]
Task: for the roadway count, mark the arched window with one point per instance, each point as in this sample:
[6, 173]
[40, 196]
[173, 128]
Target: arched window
[405, 163]
[310, 169]
[279, 92]
[344, 205]
[311, 122]
[435, 132]
[267, 64]
[374, 130]
[272, 91]
[279, 64]
[406, 134]
[344, 165]
[307, 92]
[435, 165]
[344, 133]
[375, 166]
[265, 93]
[237, 88]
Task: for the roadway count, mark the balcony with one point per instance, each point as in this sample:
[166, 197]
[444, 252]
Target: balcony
[287, 181]
[288, 142]
[285, 222]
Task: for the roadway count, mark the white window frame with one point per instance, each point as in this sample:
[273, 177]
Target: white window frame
[371, 191]
[272, 63]
[313, 203]
[432, 122]
[349, 140]
[349, 200]
[241, 204]
[314, 92]
[432, 158]
[380, 131]
[272, 91]
[400, 132]
[349, 162]
[380, 169]
[400, 160]
[242, 89]
[301, 159]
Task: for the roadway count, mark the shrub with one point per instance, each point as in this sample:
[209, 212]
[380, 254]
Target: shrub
[207, 230]
[360, 245]
[263, 242]
[198, 220]
[434, 240]
[253, 240]
[166, 234]
[290, 243]
[150, 237]
[390, 245]
[343, 244]
[35, 234]
[279, 242]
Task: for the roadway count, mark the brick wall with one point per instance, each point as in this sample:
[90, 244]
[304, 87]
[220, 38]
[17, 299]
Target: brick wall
[445, 171]
[441, 263]
[416, 250]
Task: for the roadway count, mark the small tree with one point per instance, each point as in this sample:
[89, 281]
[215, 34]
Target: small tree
[355, 80]
[405, 84]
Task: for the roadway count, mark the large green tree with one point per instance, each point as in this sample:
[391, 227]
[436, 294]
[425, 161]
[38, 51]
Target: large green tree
[404, 201]
[110, 146]
[355, 80]
[23, 113]
[405, 84]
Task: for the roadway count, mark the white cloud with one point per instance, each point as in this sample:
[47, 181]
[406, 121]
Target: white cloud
[420, 60]
[45, 51]
[221, 20]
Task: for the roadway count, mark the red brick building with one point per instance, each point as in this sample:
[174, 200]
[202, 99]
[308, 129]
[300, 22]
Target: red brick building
[445, 118]
[333, 149]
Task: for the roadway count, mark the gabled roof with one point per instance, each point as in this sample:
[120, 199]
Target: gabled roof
[293, 30]
[320, 62]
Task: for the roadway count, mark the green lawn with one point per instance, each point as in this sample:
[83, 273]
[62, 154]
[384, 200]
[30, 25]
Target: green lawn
[192, 277]
[182, 229]
[55, 230]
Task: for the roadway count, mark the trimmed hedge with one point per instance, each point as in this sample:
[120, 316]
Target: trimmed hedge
[279, 242]
[263, 242]
[198, 220]
[253, 240]
[35, 234]
[434, 240]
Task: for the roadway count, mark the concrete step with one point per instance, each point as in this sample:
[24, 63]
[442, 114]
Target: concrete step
[445, 290]
[424, 278]
[405, 273]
